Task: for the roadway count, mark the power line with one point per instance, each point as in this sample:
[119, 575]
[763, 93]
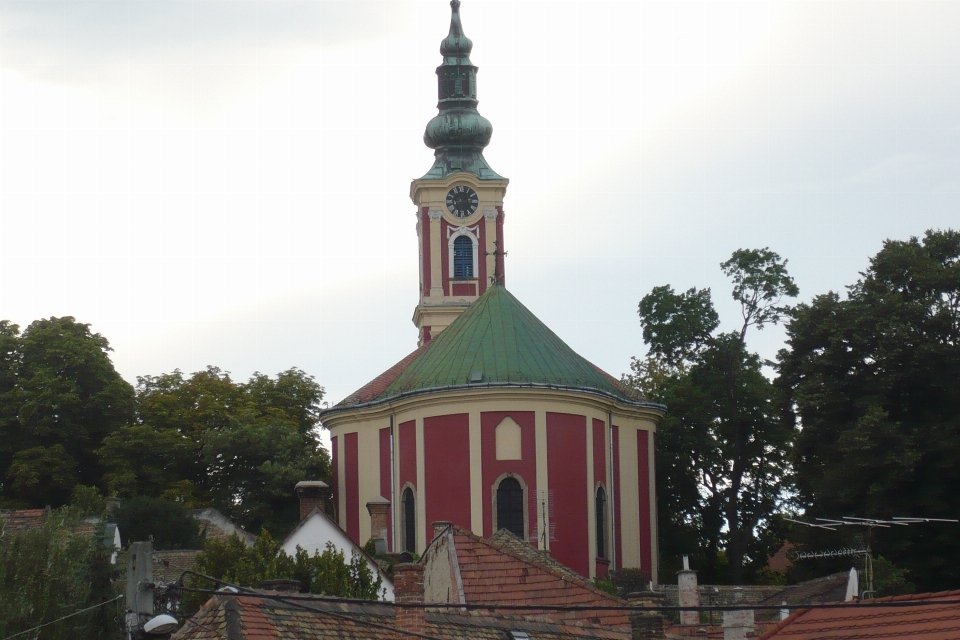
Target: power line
[75, 613]
[291, 599]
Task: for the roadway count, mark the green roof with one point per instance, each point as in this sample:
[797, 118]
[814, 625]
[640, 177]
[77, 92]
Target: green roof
[498, 342]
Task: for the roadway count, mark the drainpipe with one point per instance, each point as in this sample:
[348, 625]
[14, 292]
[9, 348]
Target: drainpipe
[393, 492]
[613, 496]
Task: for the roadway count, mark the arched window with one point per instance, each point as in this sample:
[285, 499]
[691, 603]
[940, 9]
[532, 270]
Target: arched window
[510, 507]
[463, 257]
[601, 513]
[409, 521]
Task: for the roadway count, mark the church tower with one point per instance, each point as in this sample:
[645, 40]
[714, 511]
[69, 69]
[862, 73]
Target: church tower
[460, 200]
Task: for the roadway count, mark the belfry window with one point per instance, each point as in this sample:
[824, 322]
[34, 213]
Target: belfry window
[510, 507]
[409, 521]
[463, 257]
[601, 513]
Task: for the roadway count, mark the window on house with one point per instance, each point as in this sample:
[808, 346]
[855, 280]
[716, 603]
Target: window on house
[601, 513]
[463, 257]
[510, 507]
[409, 521]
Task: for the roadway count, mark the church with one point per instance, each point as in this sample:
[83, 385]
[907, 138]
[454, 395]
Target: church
[493, 422]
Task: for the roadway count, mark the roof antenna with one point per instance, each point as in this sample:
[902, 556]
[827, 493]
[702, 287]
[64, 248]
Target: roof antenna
[864, 547]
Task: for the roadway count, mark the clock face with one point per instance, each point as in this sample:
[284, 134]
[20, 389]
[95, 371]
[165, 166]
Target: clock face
[462, 201]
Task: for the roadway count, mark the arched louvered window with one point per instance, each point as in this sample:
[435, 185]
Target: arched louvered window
[463, 257]
[601, 513]
[510, 507]
[409, 521]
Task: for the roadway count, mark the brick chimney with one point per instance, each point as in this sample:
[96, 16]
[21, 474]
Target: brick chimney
[408, 589]
[645, 623]
[379, 510]
[311, 494]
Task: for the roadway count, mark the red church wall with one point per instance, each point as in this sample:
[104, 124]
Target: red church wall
[600, 475]
[408, 455]
[335, 461]
[615, 437]
[425, 247]
[446, 454]
[385, 479]
[643, 468]
[464, 289]
[567, 473]
[526, 468]
[351, 459]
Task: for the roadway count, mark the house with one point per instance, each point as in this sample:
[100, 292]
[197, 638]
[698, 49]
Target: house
[19, 520]
[463, 568]
[261, 615]
[316, 529]
[215, 525]
[920, 616]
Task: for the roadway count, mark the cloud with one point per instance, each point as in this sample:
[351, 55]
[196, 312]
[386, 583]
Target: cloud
[195, 55]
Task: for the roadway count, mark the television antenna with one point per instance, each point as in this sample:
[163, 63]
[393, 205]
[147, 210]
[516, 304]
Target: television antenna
[862, 550]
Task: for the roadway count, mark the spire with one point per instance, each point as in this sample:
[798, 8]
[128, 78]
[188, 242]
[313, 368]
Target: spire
[458, 133]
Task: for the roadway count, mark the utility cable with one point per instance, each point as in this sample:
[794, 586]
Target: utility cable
[870, 604]
[75, 613]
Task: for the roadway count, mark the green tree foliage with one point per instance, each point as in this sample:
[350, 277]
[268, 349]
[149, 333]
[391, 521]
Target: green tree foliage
[59, 397]
[327, 573]
[873, 381]
[722, 452]
[207, 440]
[169, 522]
[52, 571]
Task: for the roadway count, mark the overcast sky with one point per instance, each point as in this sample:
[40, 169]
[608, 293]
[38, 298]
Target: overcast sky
[227, 183]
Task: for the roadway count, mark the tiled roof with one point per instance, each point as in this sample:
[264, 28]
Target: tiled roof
[260, 617]
[373, 389]
[168, 566]
[832, 588]
[19, 520]
[496, 342]
[923, 621]
[505, 569]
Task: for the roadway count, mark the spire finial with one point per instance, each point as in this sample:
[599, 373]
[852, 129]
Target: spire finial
[458, 133]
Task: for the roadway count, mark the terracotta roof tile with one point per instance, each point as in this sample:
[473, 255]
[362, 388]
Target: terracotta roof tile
[505, 569]
[19, 520]
[924, 621]
[375, 387]
[266, 618]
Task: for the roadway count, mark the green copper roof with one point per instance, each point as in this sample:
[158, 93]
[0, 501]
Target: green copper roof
[498, 342]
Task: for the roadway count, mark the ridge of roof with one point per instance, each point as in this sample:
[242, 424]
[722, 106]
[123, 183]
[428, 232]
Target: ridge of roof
[529, 555]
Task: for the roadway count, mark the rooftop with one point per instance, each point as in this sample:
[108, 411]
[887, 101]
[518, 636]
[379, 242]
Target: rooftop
[496, 342]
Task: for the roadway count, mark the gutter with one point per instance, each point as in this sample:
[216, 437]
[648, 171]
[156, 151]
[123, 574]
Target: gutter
[492, 385]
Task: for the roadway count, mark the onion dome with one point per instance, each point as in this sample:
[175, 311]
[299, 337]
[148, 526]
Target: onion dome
[458, 133]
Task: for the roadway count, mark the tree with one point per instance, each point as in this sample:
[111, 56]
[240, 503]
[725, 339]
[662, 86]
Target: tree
[722, 448]
[168, 523]
[872, 379]
[207, 440]
[49, 572]
[60, 396]
[326, 573]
